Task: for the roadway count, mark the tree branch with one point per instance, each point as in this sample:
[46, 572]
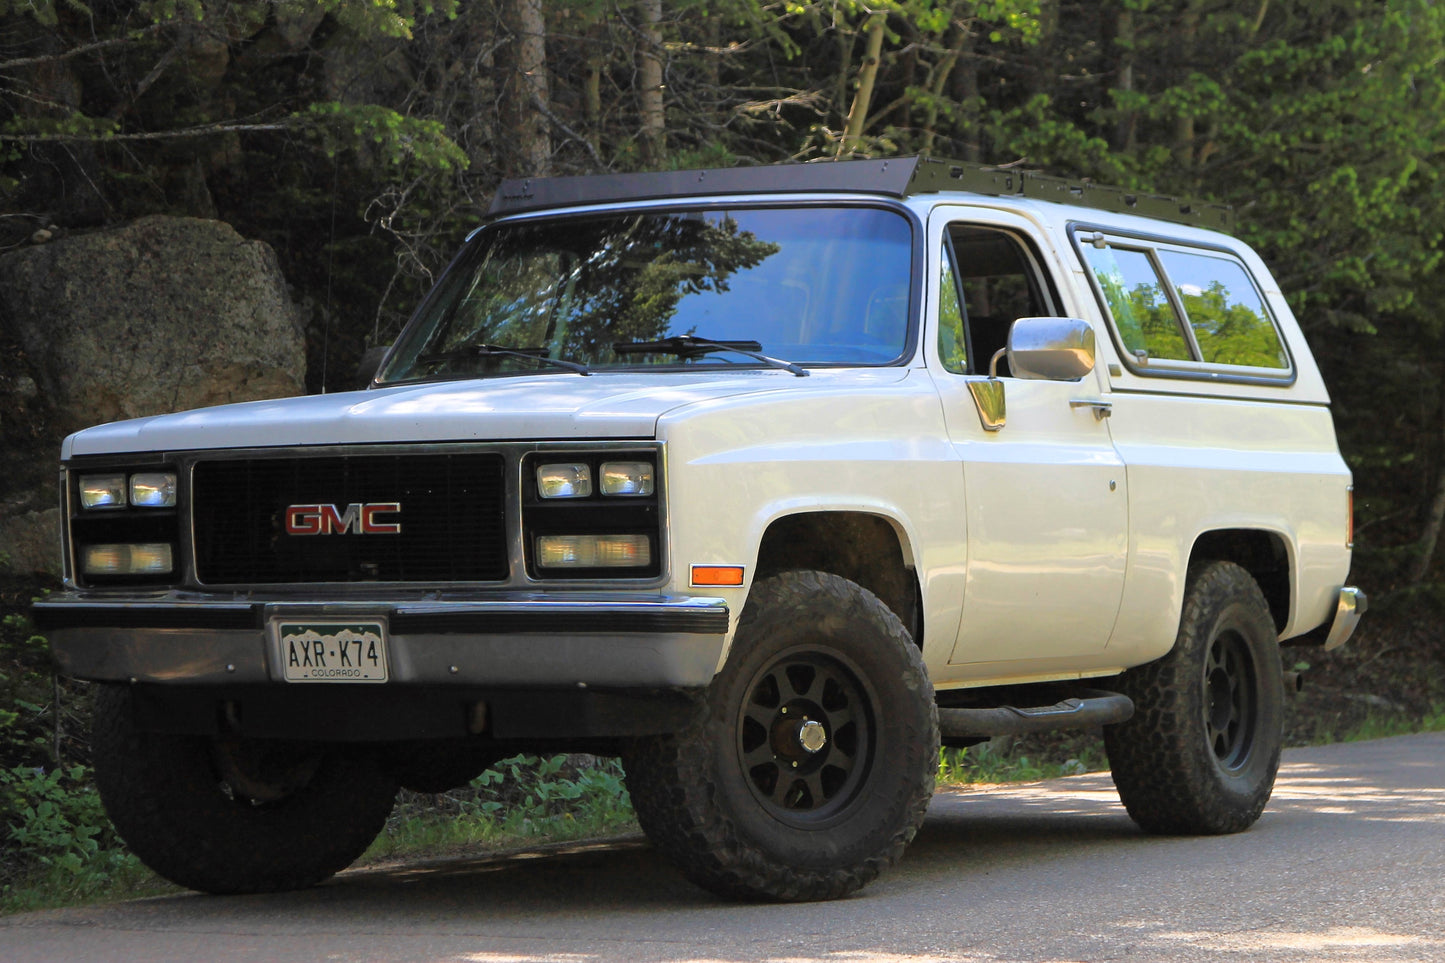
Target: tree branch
[204, 130]
[571, 134]
[79, 51]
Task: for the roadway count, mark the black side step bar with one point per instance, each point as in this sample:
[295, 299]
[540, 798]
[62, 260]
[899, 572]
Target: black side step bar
[1091, 707]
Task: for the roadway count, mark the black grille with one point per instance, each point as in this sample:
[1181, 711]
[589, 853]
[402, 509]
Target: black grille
[452, 519]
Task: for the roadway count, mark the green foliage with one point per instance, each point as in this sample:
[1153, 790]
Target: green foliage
[521, 798]
[55, 818]
[56, 837]
[25, 694]
[398, 140]
[1045, 757]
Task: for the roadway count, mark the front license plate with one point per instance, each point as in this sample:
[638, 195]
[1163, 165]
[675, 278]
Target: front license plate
[333, 651]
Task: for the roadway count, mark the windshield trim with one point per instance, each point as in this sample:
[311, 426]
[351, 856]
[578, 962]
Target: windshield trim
[906, 357]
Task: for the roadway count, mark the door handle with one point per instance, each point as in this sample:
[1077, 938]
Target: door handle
[1102, 408]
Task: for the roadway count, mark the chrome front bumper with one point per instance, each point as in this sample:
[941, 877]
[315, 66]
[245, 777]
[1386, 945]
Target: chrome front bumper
[638, 641]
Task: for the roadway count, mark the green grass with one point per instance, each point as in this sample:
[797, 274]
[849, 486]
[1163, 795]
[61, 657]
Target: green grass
[54, 888]
[1383, 727]
[1045, 756]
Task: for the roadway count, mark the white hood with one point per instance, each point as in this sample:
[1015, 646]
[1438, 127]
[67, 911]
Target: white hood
[552, 406]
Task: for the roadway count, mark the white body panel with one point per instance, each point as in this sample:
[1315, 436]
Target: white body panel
[546, 406]
[1055, 548]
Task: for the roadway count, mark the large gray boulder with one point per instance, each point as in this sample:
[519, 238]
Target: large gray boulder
[160, 315]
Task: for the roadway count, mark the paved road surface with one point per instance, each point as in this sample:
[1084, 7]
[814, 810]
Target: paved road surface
[1348, 864]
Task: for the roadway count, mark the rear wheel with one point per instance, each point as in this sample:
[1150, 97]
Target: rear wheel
[1200, 753]
[234, 815]
[809, 766]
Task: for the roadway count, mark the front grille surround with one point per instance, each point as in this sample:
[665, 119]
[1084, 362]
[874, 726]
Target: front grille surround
[452, 518]
[343, 574]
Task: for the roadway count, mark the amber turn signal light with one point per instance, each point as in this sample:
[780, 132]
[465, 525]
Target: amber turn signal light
[717, 575]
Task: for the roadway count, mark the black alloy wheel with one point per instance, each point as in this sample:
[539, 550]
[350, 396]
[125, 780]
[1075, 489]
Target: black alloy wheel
[1231, 715]
[804, 737]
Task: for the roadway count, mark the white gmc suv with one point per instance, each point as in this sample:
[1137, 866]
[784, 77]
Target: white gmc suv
[771, 481]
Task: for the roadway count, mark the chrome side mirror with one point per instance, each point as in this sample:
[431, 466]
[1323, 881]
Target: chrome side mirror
[1051, 349]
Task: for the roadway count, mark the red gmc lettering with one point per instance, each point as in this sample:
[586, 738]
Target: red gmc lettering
[369, 524]
[357, 518]
[303, 520]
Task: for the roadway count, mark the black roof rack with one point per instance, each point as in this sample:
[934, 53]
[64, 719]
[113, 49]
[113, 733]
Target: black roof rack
[891, 177]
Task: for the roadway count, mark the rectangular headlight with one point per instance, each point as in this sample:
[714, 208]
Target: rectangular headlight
[153, 489]
[571, 479]
[627, 478]
[593, 551]
[143, 559]
[102, 491]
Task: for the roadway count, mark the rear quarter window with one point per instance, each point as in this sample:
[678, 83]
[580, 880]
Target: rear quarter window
[1226, 313]
[1177, 310]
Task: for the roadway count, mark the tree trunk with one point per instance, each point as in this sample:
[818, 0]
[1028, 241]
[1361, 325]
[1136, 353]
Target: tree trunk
[964, 87]
[937, 84]
[1258, 19]
[867, 75]
[597, 52]
[1125, 131]
[649, 82]
[1430, 534]
[1184, 124]
[525, 90]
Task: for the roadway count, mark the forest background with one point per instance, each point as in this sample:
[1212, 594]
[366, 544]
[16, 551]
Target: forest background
[362, 139]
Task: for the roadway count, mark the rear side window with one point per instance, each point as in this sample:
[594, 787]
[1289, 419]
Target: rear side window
[1175, 308]
[1143, 313]
[1225, 312]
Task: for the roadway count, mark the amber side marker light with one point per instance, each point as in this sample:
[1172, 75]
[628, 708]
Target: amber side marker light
[717, 575]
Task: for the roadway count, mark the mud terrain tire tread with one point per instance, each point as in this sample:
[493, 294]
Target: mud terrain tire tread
[694, 806]
[1166, 770]
[165, 799]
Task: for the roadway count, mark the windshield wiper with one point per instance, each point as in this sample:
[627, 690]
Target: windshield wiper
[496, 350]
[687, 346]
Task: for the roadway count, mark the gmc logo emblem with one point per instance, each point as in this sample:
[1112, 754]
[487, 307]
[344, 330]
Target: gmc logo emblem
[358, 519]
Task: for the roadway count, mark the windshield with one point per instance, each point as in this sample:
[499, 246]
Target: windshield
[712, 288]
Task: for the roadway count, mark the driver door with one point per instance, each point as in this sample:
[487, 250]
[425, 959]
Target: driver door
[1045, 496]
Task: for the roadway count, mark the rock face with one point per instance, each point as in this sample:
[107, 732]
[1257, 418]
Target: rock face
[161, 315]
[31, 543]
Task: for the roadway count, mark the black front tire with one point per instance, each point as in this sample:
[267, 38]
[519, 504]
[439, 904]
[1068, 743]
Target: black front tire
[809, 766]
[234, 816]
[1200, 753]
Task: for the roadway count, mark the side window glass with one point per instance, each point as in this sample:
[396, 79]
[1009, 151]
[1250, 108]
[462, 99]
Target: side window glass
[1142, 312]
[952, 347]
[1225, 310]
[999, 284]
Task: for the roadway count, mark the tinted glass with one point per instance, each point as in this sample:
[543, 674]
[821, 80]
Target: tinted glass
[808, 285]
[1225, 310]
[1142, 313]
